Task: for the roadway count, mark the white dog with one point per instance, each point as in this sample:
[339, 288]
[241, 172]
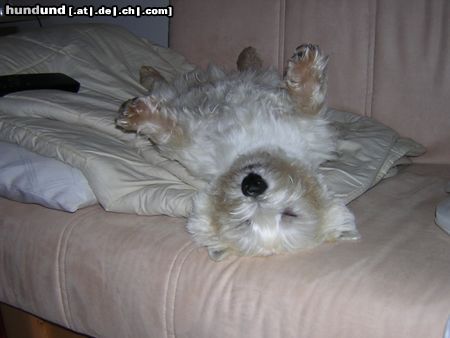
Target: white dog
[258, 141]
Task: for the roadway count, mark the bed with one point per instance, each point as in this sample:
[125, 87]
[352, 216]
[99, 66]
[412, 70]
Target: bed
[92, 220]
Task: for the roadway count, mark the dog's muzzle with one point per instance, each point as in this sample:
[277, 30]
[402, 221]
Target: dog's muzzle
[253, 185]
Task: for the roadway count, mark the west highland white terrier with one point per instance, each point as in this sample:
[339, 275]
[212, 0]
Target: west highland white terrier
[257, 140]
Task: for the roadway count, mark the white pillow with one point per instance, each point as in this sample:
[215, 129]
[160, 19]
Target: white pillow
[31, 178]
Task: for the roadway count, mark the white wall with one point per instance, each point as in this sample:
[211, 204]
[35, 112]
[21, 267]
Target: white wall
[154, 28]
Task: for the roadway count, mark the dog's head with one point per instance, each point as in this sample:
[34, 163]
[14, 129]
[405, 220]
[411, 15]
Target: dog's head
[266, 203]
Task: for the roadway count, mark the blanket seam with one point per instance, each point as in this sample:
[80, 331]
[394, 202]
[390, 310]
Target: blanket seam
[167, 321]
[176, 287]
[61, 273]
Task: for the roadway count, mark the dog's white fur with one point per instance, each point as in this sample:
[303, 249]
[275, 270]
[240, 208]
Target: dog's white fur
[225, 127]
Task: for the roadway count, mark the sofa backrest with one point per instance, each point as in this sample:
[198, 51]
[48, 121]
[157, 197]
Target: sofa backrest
[390, 59]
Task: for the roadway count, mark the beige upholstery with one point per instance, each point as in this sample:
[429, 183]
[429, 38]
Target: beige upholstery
[116, 275]
[389, 59]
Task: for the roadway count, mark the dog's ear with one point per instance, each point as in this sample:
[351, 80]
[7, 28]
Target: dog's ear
[218, 255]
[148, 117]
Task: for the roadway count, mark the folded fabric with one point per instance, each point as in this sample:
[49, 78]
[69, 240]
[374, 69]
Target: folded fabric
[368, 151]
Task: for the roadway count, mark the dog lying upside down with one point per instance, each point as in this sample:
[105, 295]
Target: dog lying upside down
[257, 140]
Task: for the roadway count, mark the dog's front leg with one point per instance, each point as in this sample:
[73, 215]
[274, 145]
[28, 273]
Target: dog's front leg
[306, 79]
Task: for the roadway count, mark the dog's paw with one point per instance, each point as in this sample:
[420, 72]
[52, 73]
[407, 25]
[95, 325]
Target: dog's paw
[134, 113]
[122, 121]
[339, 223]
[146, 116]
[307, 59]
[306, 78]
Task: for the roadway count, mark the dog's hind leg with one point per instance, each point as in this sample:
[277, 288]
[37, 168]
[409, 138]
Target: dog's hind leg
[306, 79]
[249, 59]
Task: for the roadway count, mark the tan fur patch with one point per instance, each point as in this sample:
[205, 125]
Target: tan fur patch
[138, 112]
[304, 80]
[142, 113]
[148, 75]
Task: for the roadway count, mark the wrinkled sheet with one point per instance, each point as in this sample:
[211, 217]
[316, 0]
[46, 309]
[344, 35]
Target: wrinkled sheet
[78, 129]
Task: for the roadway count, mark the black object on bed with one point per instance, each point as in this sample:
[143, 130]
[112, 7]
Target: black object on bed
[19, 82]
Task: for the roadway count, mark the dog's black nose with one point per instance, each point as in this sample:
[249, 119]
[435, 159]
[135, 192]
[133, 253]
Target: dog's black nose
[253, 185]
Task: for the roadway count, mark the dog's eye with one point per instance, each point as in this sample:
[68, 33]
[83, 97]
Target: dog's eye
[289, 213]
[248, 222]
